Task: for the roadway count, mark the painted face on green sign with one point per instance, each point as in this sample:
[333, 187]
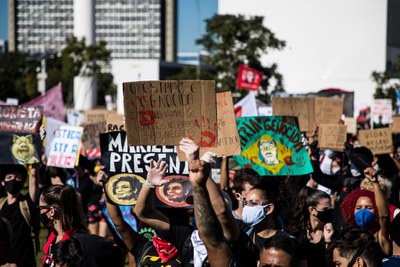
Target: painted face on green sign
[268, 151]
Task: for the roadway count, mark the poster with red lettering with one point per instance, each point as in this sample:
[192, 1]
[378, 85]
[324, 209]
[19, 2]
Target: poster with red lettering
[163, 112]
[20, 142]
[65, 147]
[248, 78]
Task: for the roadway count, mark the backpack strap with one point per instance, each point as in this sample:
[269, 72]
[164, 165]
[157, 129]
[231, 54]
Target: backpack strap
[23, 206]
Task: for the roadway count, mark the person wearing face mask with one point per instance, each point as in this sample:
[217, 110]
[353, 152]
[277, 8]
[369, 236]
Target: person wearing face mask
[21, 212]
[311, 224]
[369, 210]
[354, 161]
[61, 210]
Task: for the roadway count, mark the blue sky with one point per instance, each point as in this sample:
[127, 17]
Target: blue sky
[3, 19]
[191, 13]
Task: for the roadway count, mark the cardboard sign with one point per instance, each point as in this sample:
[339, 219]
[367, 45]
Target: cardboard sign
[20, 142]
[351, 124]
[115, 122]
[382, 111]
[327, 110]
[395, 124]
[65, 147]
[310, 111]
[379, 141]
[272, 146]
[119, 158]
[228, 142]
[163, 112]
[332, 136]
[299, 107]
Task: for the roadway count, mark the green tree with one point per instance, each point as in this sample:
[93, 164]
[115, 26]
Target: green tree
[190, 73]
[17, 76]
[234, 39]
[386, 86]
[79, 59]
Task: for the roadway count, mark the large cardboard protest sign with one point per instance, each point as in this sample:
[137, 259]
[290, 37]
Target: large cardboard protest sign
[163, 112]
[133, 163]
[272, 146]
[115, 122]
[65, 147]
[228, 142]
[332, 136]
[379, 141]
[52, 103]
[310, 111]
[299, 107]
[20, 141]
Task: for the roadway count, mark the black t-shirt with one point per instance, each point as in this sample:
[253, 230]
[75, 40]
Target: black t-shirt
[146, 255]
[179, 236]
[21, 252]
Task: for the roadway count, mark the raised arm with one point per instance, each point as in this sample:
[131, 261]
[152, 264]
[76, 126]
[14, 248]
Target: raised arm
[383, 211]
[209, 228]
[144, 208]
[228, 223]
[34, 182]
[129, 236]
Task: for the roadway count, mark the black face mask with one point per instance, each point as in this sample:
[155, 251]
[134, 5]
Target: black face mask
[13, 186]
[325, 216]
[44, 219]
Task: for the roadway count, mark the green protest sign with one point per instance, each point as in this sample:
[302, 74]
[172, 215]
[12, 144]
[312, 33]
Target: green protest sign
[272, 146]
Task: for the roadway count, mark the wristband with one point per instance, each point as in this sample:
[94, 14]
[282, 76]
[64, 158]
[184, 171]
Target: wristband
[150, 185]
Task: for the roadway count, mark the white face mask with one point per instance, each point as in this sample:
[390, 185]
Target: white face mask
[376, 167]
[253, 215]
[354, 171]
[335, 170]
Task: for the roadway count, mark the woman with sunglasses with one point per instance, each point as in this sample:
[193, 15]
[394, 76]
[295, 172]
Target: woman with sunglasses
[60, 209]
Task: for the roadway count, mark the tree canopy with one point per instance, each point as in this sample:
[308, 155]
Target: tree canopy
[234, 39]
[18, 71]
[386, 85]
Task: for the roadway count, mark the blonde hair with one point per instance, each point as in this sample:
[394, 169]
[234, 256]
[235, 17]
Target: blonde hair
[384, 184]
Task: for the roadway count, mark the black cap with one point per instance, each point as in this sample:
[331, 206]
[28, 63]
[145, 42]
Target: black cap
[10, 168]
[362, 157]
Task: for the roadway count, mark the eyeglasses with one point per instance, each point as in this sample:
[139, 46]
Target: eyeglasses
[253, 203]
[44, 207]
[47, 207]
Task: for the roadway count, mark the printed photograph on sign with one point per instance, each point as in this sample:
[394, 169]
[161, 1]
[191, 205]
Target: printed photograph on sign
[124, 188]
[175, 192]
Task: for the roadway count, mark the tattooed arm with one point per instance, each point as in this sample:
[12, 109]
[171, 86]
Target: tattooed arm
[210, 230]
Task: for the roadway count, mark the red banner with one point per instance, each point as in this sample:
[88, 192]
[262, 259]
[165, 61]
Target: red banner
[248, 78]
[52, 102]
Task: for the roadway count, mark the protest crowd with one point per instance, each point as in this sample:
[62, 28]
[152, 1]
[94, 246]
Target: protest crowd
[291, 189]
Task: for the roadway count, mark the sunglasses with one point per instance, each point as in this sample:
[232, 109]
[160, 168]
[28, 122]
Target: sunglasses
[47, 207]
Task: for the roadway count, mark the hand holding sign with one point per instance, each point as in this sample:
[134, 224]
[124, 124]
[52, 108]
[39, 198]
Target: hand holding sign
[190, 149]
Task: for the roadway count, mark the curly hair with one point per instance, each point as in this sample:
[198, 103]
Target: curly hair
[245, 175]
[349, 203]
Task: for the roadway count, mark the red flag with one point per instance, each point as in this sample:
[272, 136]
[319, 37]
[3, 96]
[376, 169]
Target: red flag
[248, 78]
